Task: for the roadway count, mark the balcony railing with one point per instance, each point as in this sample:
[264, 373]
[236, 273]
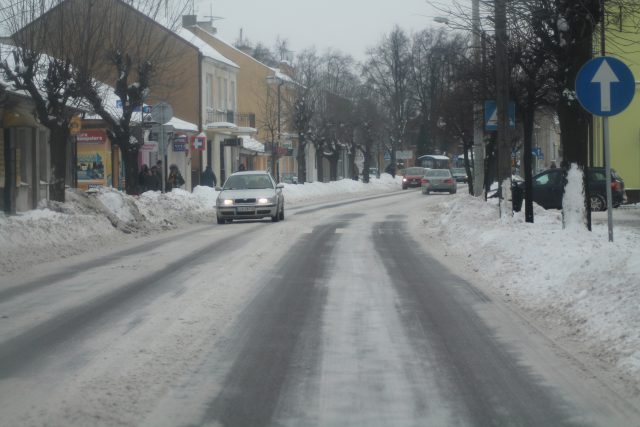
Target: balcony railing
[238, 119]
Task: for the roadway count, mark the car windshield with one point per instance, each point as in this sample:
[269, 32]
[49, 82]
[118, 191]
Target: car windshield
[414, 171]
[439, 173]
[248, 182]
[459, 171]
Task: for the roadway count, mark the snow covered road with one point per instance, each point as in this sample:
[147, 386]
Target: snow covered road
[337, 316]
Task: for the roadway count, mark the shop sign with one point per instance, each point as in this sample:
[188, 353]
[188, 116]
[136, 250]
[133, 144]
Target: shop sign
[180, 143]
[198, 142]
[150, 146]
[232, 142]
[75, 125]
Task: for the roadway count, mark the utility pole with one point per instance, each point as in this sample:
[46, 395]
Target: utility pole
[502, 101]
[478, 119]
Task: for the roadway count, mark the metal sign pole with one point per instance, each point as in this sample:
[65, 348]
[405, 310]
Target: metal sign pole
[607, 167]
[163, 173]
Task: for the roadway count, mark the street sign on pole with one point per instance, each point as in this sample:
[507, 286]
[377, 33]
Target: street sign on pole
[491, 115]
[605, 87]
[162, 113]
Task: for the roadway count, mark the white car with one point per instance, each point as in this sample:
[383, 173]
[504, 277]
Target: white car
[250, 195]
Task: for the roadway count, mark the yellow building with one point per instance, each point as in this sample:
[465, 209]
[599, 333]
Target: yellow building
[622, 39]
[258, 86]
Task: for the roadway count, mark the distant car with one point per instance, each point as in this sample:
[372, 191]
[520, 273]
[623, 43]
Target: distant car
[548, 188]
[460, 174]
[438, 180]
[289, 178]
[250, 195]
[412, 177]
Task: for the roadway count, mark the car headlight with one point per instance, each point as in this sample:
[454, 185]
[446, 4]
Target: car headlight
[265, 200]
[226, 202]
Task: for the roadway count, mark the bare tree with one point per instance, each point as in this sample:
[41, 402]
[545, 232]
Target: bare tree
[48, 79]
[304, 105]
[86, 47]
[336, 109]
[387, 72]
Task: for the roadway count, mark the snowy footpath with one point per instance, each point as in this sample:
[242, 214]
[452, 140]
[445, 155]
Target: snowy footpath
[580, 288]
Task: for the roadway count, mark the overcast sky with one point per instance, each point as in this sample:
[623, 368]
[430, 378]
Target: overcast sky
[351, 26]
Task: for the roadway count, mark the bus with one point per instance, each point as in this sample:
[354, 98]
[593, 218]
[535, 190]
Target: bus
[434, 161]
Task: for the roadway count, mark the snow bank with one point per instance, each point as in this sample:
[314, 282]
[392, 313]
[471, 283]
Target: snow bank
[570, 279]
[90, 220]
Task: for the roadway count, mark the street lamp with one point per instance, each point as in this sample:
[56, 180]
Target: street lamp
[275, 165]
[478, 118]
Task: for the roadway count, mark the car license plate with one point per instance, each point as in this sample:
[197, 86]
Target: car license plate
[245, 208]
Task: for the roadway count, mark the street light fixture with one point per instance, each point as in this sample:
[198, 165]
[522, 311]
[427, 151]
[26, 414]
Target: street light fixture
[478, 131]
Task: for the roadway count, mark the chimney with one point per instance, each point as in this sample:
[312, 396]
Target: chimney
[189, 21]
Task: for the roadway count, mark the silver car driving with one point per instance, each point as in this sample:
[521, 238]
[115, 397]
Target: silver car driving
[438, 180]
[250, 195]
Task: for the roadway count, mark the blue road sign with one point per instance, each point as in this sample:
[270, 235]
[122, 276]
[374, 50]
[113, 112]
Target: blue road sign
[491, 115]
[605, 86]
[145, 109]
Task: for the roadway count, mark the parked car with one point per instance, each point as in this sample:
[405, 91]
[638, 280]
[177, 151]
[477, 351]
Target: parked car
[460, 174]
[289, 178]
[548, 188]
[438, 180]
[412, 177]
[250, 195]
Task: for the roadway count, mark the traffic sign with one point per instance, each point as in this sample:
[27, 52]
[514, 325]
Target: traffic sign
[161, 112]
[491, 115]
[605, 86]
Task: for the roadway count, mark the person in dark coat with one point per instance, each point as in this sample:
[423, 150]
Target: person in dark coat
[175, 179]
[208, 177]
[154, 180]
[143, 179]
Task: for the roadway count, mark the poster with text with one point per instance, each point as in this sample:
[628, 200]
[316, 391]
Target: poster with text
[94, 159]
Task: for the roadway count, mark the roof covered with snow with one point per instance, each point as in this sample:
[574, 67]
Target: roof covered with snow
[204, 47]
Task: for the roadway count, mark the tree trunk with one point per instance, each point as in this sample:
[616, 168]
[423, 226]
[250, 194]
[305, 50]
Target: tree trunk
[467, 166]
[366, 164]
[529, 115]
[333, 167]
[131, 170]
[319, 165]
[302, 165]
[574, 126]
[59, 138]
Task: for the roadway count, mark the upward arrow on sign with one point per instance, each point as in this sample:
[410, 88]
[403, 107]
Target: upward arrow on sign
[605, 76]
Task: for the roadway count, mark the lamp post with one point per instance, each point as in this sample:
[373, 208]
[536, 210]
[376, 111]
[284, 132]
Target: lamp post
[478, 118]
[275, 164]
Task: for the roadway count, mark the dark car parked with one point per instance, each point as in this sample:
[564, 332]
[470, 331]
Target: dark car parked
[548, 188]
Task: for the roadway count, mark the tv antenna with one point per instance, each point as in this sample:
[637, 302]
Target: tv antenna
[211, 17]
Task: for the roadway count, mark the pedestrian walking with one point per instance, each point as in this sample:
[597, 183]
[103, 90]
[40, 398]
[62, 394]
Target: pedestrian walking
[208, 177]
[143, 179]
[174, 180]
[154, 180]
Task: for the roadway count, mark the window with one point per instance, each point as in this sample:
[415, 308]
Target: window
[233, 96]
[220, 105]
[226, 95]
[209, 90]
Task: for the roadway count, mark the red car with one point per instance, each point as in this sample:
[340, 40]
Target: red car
[412, 177]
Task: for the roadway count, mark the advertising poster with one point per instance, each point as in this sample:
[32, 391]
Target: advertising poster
[94, 159]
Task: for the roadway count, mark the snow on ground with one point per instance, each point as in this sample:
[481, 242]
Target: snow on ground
[566, 278]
